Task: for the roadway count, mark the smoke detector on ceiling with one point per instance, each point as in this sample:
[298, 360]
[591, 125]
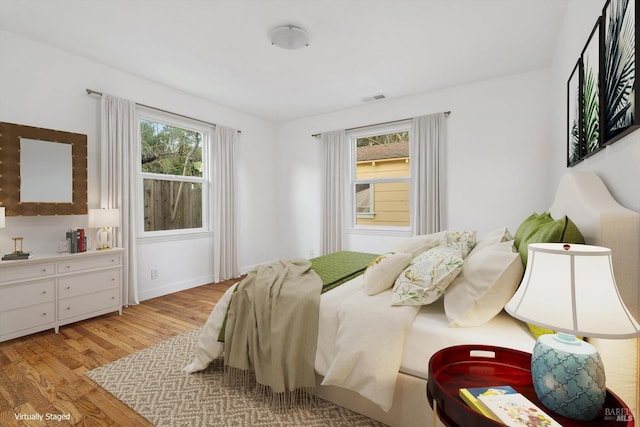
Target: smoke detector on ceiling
[290, 37]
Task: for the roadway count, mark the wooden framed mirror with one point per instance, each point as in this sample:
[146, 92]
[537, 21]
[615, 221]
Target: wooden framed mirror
[42, 171]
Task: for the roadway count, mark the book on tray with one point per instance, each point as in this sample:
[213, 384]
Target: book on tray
[504, 404]
[14, 256]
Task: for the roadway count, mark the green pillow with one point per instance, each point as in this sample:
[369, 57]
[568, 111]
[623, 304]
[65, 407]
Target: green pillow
[544, 229]
[531, 223]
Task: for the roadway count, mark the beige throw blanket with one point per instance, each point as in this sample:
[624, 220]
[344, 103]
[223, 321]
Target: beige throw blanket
[271, 331]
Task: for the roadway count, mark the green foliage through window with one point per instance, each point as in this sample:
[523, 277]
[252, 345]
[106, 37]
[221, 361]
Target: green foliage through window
[170, 150]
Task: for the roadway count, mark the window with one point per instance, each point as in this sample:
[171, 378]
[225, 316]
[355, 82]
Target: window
[381, 177]
[173, 174]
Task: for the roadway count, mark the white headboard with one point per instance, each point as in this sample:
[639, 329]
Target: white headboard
[583, 197]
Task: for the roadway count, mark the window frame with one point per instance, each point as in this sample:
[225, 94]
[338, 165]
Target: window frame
[352, 215]
[207, 132]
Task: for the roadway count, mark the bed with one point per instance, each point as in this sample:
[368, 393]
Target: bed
[389, 385]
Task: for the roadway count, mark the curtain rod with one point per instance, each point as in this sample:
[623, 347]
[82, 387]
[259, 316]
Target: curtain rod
[95, 92]
[315, 135]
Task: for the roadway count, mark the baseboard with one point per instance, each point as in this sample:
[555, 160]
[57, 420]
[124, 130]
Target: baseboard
[174, 287]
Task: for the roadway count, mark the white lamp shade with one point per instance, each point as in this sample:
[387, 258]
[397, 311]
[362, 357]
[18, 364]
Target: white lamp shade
[572, 289]
[99, 218]
[2, 223]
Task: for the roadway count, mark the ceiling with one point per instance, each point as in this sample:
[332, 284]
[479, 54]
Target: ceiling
[220, 50]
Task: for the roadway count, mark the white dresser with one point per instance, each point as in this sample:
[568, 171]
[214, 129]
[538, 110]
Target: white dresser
[49, 291]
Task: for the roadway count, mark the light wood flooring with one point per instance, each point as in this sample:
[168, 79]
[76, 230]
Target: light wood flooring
[43, 373]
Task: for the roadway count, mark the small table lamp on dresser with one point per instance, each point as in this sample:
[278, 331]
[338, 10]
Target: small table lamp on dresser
[572, 290]
[104, 219]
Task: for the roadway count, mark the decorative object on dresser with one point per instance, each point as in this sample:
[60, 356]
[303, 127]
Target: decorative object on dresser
[50, 291]
[17, 253]
[570, 288]
[104, 219]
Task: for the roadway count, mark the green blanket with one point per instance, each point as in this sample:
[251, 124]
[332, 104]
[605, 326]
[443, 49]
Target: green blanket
[340, 267]
[334, 269]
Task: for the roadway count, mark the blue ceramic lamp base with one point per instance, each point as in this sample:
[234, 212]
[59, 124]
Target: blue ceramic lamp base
[568, 376]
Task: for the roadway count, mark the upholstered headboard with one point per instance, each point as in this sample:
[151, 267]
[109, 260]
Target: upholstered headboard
[583, 197]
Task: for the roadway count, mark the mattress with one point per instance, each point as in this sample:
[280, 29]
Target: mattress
[431, 332]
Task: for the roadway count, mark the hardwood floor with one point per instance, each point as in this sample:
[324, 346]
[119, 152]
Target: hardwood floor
[43, 373]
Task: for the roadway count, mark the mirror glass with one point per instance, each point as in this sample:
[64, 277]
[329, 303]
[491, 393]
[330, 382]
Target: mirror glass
[45, 172]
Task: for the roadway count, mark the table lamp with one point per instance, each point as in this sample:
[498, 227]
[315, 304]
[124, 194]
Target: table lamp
[571, 289]
[104, 219]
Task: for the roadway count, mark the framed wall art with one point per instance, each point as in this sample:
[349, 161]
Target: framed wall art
[574, 115]
[620, 75]
[590, 94]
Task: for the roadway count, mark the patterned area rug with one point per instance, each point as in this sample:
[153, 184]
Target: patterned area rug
[152, 383]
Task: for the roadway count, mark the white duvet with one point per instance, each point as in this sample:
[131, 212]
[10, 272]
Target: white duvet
[360, 340]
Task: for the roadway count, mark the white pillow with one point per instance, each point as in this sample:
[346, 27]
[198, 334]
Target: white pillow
[496, 236]
[488, 280]
[383, 271]
[418, 244]
[424, 281]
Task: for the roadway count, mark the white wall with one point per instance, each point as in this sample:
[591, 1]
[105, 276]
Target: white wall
[618, 163]
[496, 151]
[45, 87]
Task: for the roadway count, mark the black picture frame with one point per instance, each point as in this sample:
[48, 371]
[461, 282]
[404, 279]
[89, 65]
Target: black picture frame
[619, 79]
[590, 96]
[574, 116]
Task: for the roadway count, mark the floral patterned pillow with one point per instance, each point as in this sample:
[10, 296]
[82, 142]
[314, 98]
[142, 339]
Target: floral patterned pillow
[464, 240]
[426, 279]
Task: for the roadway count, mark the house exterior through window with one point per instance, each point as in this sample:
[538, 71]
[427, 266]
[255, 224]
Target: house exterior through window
[381, 177]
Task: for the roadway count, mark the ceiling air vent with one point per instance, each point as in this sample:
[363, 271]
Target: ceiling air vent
[377, 97]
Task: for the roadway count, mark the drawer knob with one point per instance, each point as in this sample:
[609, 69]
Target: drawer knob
[44, 292]
[113, 297]
[44, 314]
[44, 270]
[68, 308]
[68, 287]
[68, 266]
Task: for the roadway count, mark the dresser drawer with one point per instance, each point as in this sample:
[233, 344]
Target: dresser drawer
[84, 304]
[27, 317]
[23, 295]
[28, 272]
[80, 284]
[88, 263]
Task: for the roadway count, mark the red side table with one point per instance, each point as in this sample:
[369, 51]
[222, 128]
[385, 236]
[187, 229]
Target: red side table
[480, 366]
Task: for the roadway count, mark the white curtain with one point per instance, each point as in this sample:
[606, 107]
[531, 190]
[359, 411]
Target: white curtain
[428, 138]
[334, 184]
[224, 203]
[118, 156]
